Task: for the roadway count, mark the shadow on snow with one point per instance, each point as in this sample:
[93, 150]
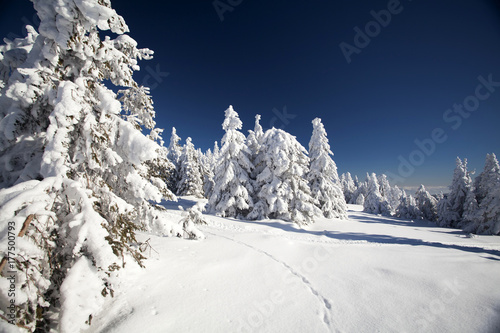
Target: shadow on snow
[353, 236]
[383, 239]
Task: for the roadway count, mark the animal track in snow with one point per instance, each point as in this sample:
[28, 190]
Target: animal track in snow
[325, 303]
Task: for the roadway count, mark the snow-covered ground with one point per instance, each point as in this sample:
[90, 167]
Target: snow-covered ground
[365, 274]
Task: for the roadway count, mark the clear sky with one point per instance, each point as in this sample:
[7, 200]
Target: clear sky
[284, 60]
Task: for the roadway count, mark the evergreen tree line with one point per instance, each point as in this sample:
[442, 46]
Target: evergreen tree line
[473, 206]
[264, 175]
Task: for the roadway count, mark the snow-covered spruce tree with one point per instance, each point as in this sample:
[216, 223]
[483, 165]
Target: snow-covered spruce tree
[208, 166]
[323, 177]
[360, 200]
[348, 187]
[470, 217]
[73, 171]
[374, 202]
[174, 152]
[232, 192]
[190, 173]
[427, 204]
[488, 178]
[206, 169]
[386, 191]
[408, 208]
[254, 143]
[396, 197]
[210, 161]
[488, 214]
[283, 192]
[450, 213]
[216, 152]
[361, 188]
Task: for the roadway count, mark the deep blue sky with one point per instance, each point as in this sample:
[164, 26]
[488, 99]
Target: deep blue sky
[266, 55]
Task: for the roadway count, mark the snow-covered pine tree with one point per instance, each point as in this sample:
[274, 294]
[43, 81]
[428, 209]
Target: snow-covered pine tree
[470, 217]
[407, 208]
[254, 143]
[216, 152]
[348, 187]
[323, 177]
[233, 190]
[360, 200]
[190, 173]
[361, 188]
[282, 191]
[426, 203]
[174, 152]
[160, 170]
[450, 213]
[488, 178]
[488, 214]
[72, 171]
[208, 167]
[374, 202]
[386, 193]
[396, 196]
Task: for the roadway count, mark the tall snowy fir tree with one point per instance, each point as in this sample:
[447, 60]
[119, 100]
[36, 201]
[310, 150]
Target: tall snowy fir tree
[283, 192]
[216, 152]
[426, 203]
[488, 197]
[190, 172]
[470, 216]
[348, 187]
[360, 200]
[323, 177]
[254, 143]
[232, 192]
[390, 195]
[361, 188]
[488, 178]
[73, 171]
[374, 202]
[208, 166]
[451, 211]
[174, 152]
[408, 208]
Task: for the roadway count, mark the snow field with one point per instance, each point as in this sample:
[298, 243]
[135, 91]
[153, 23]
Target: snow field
[366, 274]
